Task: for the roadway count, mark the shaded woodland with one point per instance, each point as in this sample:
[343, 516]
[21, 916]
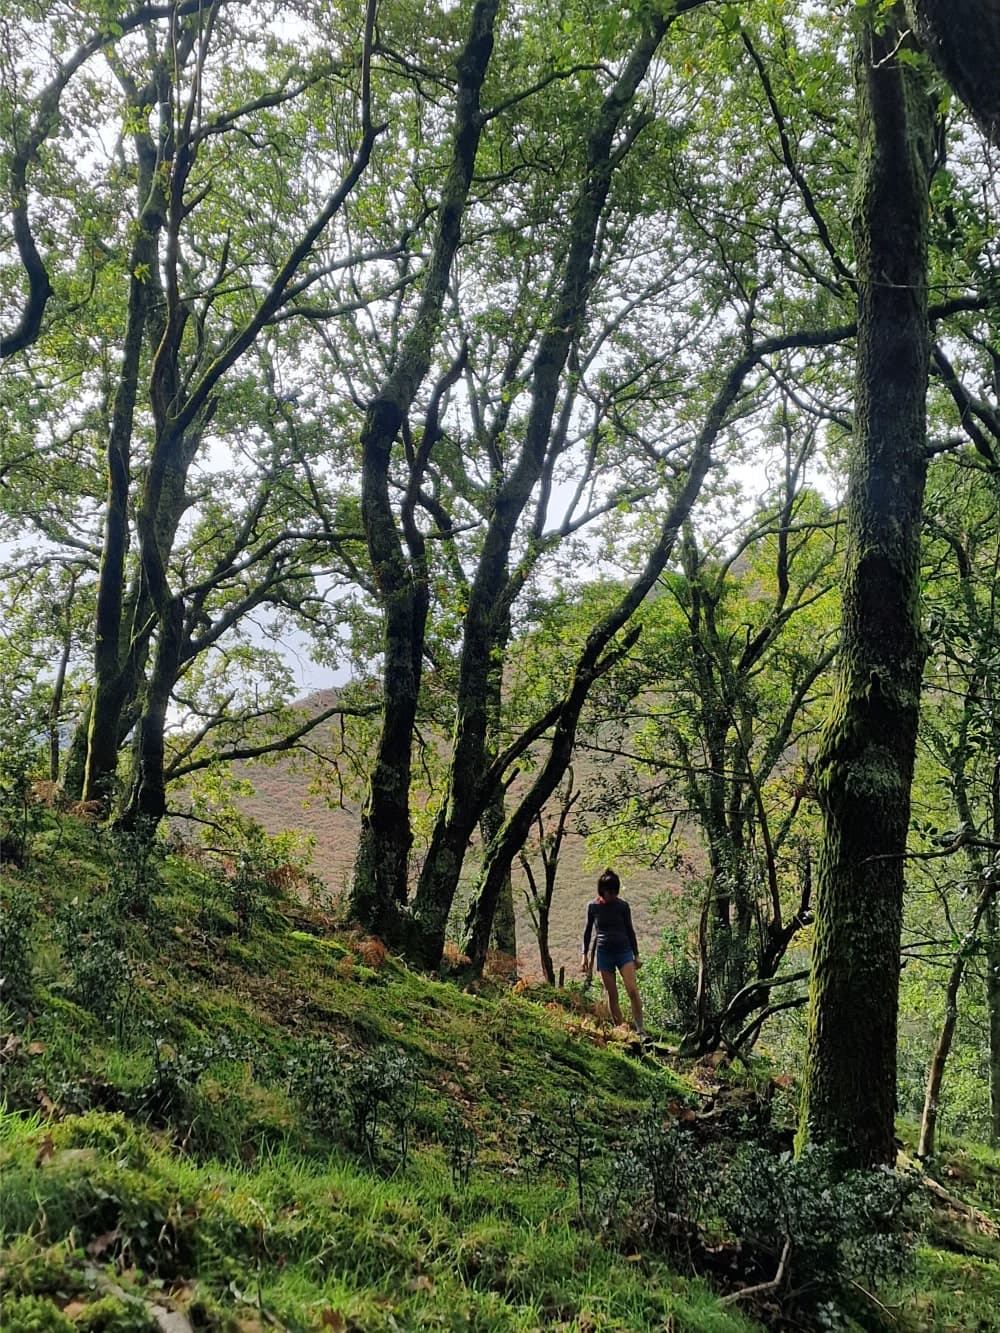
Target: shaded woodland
[566, 381]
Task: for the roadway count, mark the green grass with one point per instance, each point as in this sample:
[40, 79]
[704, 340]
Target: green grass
[193, 1145]
[300, 1237]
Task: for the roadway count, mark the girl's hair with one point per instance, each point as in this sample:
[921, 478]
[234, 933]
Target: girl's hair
[608, 883]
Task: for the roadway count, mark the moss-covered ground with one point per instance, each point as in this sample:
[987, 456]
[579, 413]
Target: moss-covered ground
[229, 1112]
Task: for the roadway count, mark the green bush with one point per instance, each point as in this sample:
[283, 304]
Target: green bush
[18, 763]
[669, 980]
[134, 857]
[658, 1186]
[33, 1314]
[372, 1098]
[94, 944]
[17, 919]
[823, 1230]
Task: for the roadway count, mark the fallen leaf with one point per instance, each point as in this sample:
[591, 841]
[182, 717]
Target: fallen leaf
[420, 1283]
[37, 1048]
[333, 1319]
[74, 1308]
[101, 1244]
[46, 1150]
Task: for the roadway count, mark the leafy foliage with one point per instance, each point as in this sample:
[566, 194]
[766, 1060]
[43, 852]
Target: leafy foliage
[18, 915]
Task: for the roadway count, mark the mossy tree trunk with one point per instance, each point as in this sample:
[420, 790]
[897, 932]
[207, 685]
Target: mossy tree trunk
[115, 668]
[148, 799]
[505, 920]
[992, 951]
[993, 1002]
[865, 765]
[380, 884]
[962, 37]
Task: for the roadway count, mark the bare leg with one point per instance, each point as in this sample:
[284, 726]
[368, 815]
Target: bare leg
[634, 998]
[610, 981]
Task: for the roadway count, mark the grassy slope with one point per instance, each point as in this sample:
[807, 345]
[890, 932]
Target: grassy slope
[186, 1151]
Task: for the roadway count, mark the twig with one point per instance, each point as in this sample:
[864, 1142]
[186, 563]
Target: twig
[760, 1287]
[874, 1300]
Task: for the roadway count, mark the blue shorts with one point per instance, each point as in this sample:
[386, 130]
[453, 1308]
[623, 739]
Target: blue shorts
[613, 959]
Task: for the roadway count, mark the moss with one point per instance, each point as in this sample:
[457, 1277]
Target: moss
[33, 1314]
[114, 1314]
[30, 1267]
[109, 1134]
[875, 776]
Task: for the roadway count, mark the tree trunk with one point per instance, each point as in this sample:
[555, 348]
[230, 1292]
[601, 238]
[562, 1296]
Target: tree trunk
[962, 37]
[147, 802]
[504, 923]
[935, 1076]
[993, 961]
[380, 884]
[110, 682]
[993, 1004]
[59, 685]
[865, 765]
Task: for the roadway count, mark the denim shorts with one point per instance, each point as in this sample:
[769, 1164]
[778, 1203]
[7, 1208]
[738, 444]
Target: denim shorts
[613, 959]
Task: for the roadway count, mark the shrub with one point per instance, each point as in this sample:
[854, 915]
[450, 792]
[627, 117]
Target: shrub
[17, 918]
[134, 856]
[94, 944]
[172, 1095]
[669, 982]
[18, 813]
[33, 1314]
[567, 1141]
[461, 1144]
[823, 1229]
[248, 890]
[658, 1185]
[370, 1099]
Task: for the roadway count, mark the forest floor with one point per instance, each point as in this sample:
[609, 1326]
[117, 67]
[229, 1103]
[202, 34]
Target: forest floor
[223, 1110]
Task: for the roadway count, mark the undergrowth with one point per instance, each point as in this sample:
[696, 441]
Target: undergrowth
[219, 1104]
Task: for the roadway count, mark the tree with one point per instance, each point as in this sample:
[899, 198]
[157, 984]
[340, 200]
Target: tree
[539, 897]
[717, 709]
[864, 767]
[963, 39]
[380, 877]
[191, 307]
[960, 736]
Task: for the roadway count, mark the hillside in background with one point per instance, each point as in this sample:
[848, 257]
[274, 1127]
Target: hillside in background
[283, 801]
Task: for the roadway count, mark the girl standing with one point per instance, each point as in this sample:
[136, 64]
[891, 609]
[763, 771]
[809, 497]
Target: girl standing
[617, 947]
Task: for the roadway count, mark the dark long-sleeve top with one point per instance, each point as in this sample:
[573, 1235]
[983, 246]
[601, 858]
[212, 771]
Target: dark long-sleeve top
[614, 925]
